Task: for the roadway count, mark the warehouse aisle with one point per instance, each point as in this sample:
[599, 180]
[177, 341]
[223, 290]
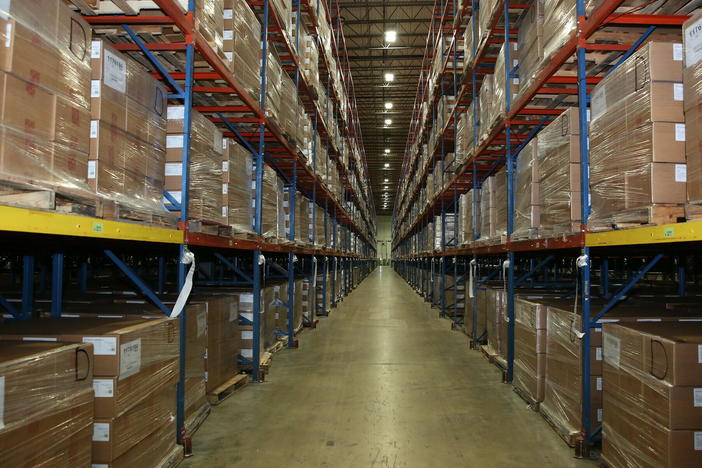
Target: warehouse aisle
[382, 382]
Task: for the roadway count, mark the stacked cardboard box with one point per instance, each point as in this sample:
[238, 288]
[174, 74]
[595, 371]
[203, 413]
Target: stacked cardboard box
[498, 209]
[651, 400]
[486, 12]
[692, 84]
[530, 347]
[242, 45]
[209, 21]
[527, 196]
[455, 296]
[446, 231]
[237, 170]
[530, 40]
[558, 150]
[302, 216]
[206, 153]
[128, 131]
[274, 88]
[485, 104]
[492, 318]
[307, 298]
[47, 396]
[562, 402]
[195, 360]
[44, 96]
[502, 70]
[276, 317]
[637, 138]
[271, 205]
[135, 369]
[283, 10]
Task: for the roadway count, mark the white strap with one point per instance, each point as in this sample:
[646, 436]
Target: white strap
[188, 258]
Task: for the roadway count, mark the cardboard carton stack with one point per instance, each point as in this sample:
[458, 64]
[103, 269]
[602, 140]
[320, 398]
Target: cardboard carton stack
[558, 164]
[237, 170]
[651, 400]
[485, 105]
[274, 88]
[637, 140]
[272, 199]
[447, 233]
[527, 196]
[486, 12]
[276, 312]
[307, 298]
[242, 45]
[530, 41]
[195, 360]
[302, 216]
[47, 417]
[128, 131]
[206, 153]
[530, 347]
[562, 402]
[692, 84]
[135, 371]
[492, 319]
[44, 96]
[283, 10]
[466, 221]
[209, 21]
[502, 70]
[498, 225]
[455, 296]
[320, 235]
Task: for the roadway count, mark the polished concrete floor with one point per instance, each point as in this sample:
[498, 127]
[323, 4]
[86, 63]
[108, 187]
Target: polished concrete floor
[381, 382]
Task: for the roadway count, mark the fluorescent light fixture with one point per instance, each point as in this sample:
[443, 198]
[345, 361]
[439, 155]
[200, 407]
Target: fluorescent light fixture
[388, 121]
[389, 76]
[385, 180]
[387, 150]
[388, 105]
[386, 165]
[390, 36]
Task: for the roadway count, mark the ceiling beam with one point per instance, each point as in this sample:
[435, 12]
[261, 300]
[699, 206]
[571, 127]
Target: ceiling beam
[387, 4]
[385, 21]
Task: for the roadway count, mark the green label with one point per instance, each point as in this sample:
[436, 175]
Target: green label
[669, 232]
[98, 227]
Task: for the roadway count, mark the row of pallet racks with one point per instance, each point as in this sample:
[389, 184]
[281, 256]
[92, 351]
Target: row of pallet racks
[184, 190]
[555, 217]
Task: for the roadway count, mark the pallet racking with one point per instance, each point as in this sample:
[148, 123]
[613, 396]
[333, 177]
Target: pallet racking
[581, 261]
[52, 246]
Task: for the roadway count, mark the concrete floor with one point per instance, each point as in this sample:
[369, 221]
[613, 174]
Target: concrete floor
[381, 382]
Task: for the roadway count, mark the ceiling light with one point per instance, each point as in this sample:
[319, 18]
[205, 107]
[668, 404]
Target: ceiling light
[386, 181]
[388, 105]
[390, 36]
[389, 76]
[386, 165]
[387, 150]
[388, 121]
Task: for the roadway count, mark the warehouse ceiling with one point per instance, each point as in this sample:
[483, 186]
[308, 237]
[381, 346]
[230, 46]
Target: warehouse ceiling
[365, 23]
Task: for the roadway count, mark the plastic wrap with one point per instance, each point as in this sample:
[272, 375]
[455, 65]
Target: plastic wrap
[320, 235]
[302, 216]
[195, 352]
[499, 97]
[486, 102]
[206, 153]
[274, 88]
[449, 234]
[558, 25]
[209, 21]
[276, 317]
[455, 296]
[651, 395]
[237, 170]
[152, 450]
[269, 204]
[471, 217]
[242, 45]
[530, 347]
[289, 111]
[498, 225]
[637, 137]
[530, 40]
[468, 46]
[487, 196]
[692, 84]
[562, 402]
[527, 200]
[45, 86]
[559, 175]
[283, 9]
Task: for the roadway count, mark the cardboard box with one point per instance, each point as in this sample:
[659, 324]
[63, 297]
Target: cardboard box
[151, 450]
[122, 347]
[655, 183]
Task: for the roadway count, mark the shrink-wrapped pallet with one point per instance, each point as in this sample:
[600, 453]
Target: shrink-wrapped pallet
[237, 170]
[242, 45]
[527, 203]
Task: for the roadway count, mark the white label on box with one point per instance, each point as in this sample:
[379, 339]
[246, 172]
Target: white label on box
[247, 353]
[175, 113]
[95, 89]
[38, 338]
[225, 189]
[679, 132]
[103, 388]
[2, 401]
[115, 72]
[70, 315]
[229, 56]
[699, 354]
[8, 32]
[173, 193]
[91, 169]
[681, 173]
[228, 13]
[612, 348]
[693, 43]
[102, 345]
[174, 141]
[649, 320]
[598, 102]
[698, 440]
[598, 384]
[697, 397]
[101, 432]
[224, 211]
[99, 465]
[225, 166]
[129, 358]
[599, 414]
[201, 323]
[95, 48]
[228, 35]
[111, 316]
[677, 52]
[94, 129]
[174, 169]
[247, 335]
[678, 91]
[598, 354]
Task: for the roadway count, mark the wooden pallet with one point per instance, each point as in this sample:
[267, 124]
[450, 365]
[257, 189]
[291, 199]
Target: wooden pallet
[222, 392]
[693, 211]
[569, 437]
[653, 215]
[266, 360]
[209, 227]
[108, 209]
[172, 458]
[195, 421]
[23, 196]
[533, 404]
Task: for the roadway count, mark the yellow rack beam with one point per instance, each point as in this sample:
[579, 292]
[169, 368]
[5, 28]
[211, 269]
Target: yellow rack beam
[664, 234]
[47, 222]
